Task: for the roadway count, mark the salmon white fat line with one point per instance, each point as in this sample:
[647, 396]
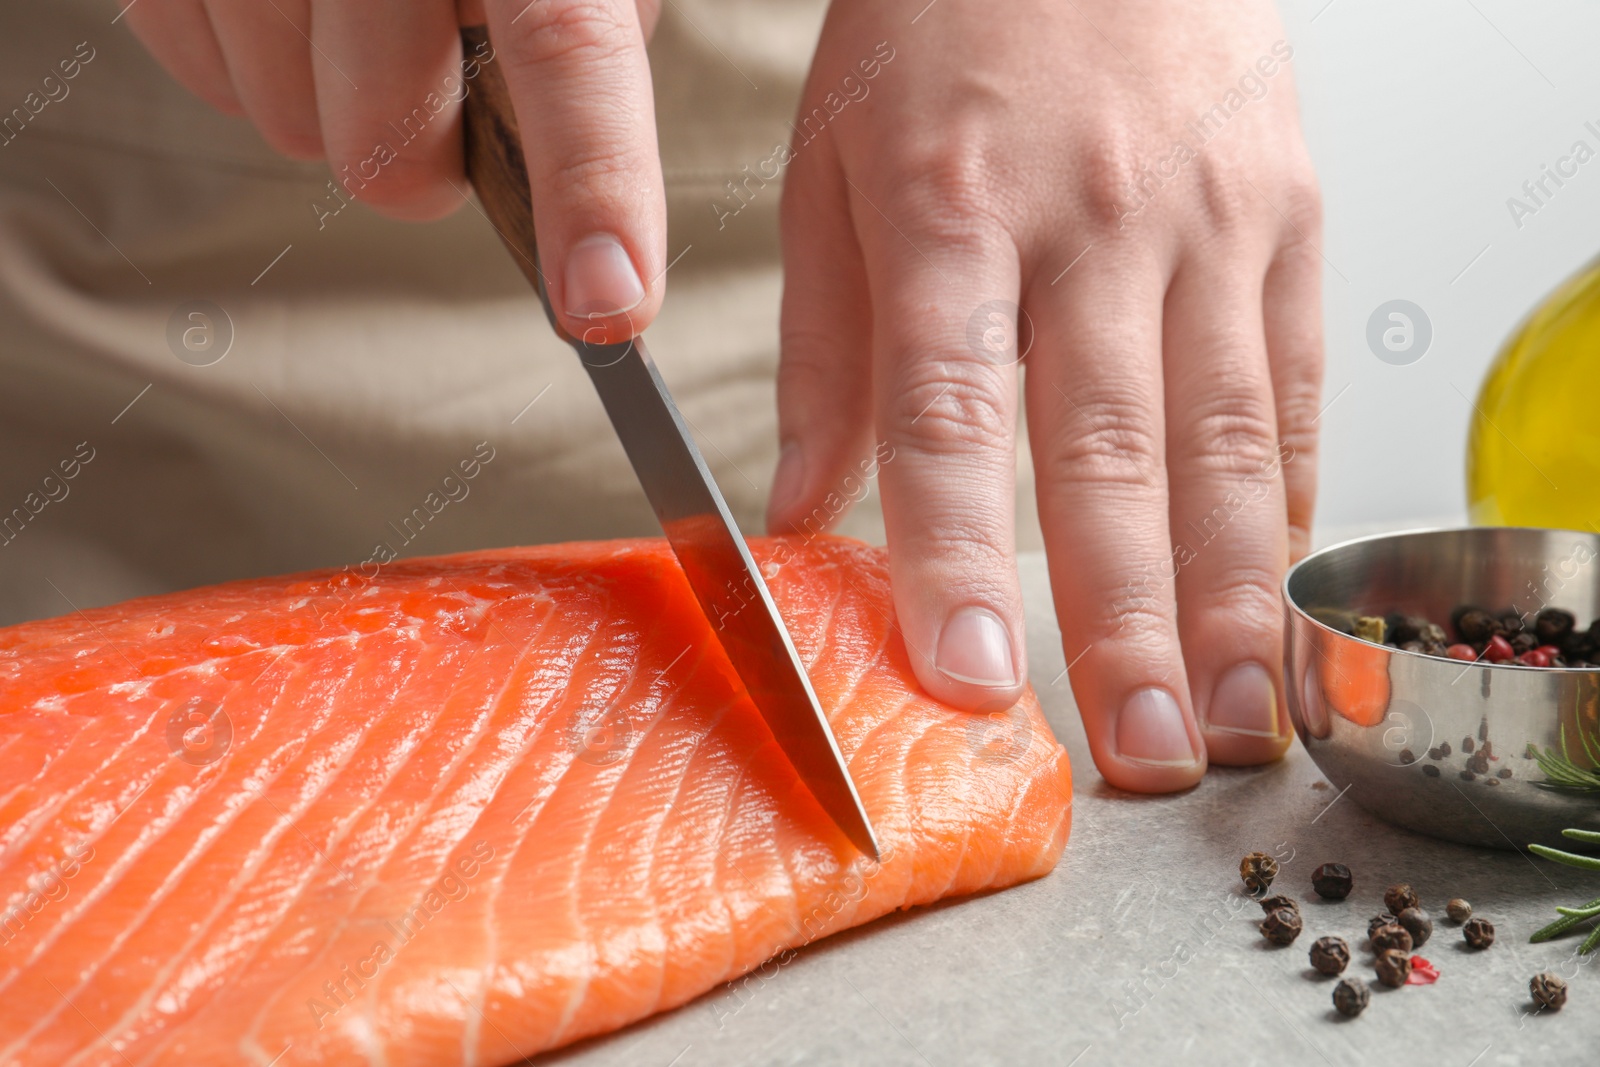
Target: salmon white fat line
[351, 979]
[42, 888]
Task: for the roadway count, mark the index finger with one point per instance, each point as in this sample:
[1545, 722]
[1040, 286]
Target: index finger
[580, 84]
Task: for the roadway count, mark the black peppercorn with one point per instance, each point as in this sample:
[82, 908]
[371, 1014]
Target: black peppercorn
[1378, 922]
[1332, 881]
[1258, 870]
[1330, 955]
[1524, 642]
[1394, 936]
[1417, 924]
[1279, 900]
[1458, 910]
[1475, 625]
[1393, 968]
[1281, 927]
[1407, 756]
[1491, 781]
[1399, 897]
[1479, 933]
[1552, 624]
[1503, 772]
[1350, 997]
[1430, 770]
[1548, 991]
[1467, 745]
[1467, 776]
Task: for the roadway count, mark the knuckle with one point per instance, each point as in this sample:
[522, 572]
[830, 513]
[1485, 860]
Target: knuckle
[952, 194]
[1108, 437]
[1108, 185]
[580, 30]
[950, 407]
[1244, 600]
[587, 171]
[1302, 197]
[1231, 432]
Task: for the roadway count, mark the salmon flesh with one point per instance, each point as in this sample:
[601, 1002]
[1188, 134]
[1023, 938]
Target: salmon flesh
[461, 810]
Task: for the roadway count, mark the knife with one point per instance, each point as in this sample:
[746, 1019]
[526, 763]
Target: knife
[713, 554]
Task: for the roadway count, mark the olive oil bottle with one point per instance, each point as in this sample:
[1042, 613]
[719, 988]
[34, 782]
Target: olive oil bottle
[1533, 450]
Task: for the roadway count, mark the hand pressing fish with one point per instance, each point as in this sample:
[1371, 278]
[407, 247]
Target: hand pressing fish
[465, 810]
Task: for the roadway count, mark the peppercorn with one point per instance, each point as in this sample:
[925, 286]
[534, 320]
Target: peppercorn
[1377, 922]
[1393, 937]
[1444, 748]
[1417, 924]
[1332, 881]
[1407, 756]
[1278, 900]
[1466, 653]
[1467, 745]
[1491, 781]
[1399, 897]
[1474, 624]
[1431, 633]
[1552, 624]
[1258, 870]
[1503, 772]
[1467, 775]
[1458, 910]
[1511, 622]
[1479, 933]
[1330, 955]
[1523, 643]
[1479, 763]
[1350, 997]
[1430, 770]
[1281, 927]
[1548, 991]
[1498, 650]
[1393, 968]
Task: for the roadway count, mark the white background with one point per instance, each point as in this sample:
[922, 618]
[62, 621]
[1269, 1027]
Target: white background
[1423, 117]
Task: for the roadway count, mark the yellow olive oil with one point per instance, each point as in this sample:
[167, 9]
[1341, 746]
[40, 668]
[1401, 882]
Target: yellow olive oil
[1533, 450]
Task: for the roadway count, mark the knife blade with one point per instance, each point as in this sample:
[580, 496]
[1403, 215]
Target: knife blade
[725, 578]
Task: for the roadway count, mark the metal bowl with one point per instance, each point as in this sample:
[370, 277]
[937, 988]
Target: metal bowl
[1400, 730]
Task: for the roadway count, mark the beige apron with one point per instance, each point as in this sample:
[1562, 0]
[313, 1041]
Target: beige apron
[369, 365]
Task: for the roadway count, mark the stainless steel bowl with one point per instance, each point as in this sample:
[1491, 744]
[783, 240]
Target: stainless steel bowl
[1376, 719]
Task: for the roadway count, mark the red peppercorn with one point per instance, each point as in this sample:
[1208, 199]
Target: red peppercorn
[1549, 650]
[1498, 650]
[1534, 658]
[1461, 652]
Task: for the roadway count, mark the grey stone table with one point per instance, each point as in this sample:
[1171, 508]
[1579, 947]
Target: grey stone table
[1141, 947]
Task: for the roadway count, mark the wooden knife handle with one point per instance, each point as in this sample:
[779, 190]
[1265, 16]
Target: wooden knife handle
[495, 165]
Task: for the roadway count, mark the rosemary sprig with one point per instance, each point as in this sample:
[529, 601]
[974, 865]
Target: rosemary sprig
[1561, 773]
[1571, 917]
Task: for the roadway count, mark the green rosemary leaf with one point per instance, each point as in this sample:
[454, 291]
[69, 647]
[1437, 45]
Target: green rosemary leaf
[1555, 929]
[1571, 859]
[1579, 913]
[1590, 942]
[1590, 836]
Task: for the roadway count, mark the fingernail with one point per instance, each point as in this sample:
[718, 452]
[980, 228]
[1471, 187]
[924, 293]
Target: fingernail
[601, 279]
[1244, 702]
[787, 479]
[975, 648]
[1150, 729]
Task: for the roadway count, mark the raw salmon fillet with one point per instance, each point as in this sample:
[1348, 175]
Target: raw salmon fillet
[460, 810]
